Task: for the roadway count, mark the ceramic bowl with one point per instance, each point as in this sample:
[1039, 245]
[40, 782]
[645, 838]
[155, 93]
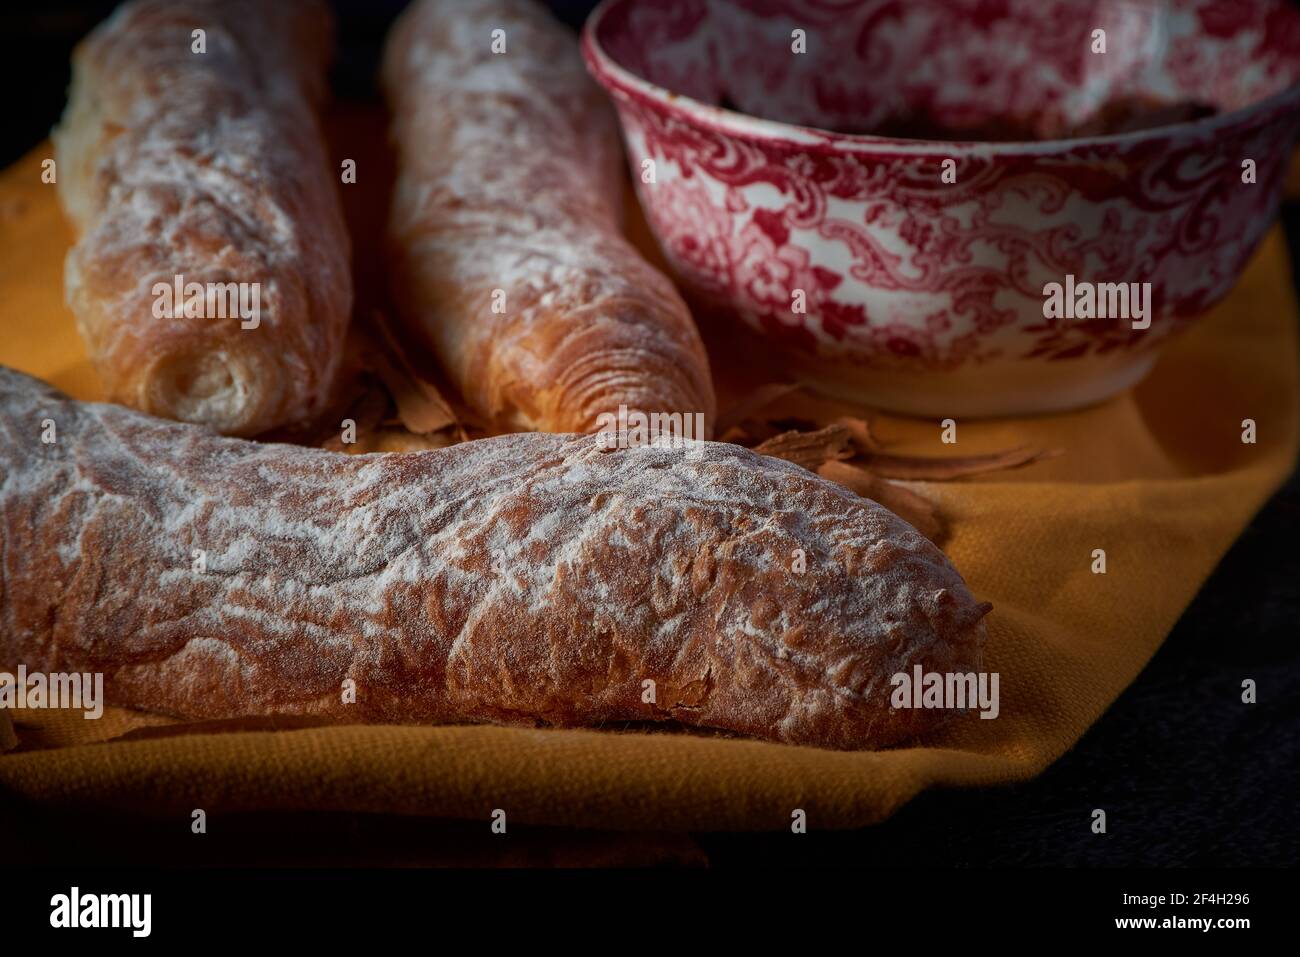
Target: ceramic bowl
[887, 190]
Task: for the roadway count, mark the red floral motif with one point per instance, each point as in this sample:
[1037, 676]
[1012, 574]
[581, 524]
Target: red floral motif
[694, 234]
[768, 271]
[1279, 39]
[1220, 18]
[838, 318]
[902, 269]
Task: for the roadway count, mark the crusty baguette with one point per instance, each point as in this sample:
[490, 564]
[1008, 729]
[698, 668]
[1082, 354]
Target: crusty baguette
[210, 166]
[526, 578]
[510, 179]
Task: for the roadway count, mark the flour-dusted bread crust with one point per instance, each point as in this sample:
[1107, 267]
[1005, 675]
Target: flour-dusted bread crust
[531, 578]
[510, 179]
[210, 166]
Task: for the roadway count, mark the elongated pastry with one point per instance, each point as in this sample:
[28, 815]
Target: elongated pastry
[507, 258]
[210, 277]
[531, 578]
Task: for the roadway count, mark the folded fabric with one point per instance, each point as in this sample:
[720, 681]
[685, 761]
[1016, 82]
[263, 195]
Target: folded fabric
[1159, 478]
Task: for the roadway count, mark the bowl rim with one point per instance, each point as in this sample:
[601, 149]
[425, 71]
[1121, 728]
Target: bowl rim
[616, 78]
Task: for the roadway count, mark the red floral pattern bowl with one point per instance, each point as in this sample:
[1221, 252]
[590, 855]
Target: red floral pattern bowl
[910, 273]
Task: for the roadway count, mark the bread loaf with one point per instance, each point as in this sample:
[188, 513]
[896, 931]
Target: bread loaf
[507, 258]
[210, 276]
[531, 578]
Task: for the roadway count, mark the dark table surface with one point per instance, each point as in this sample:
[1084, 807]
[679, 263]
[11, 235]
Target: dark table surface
[1188, 774]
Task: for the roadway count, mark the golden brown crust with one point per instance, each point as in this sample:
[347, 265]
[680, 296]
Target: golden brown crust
[210, 166]
[528, 578]
[510, 179]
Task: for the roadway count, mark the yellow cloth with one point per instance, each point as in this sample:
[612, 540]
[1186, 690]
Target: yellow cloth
[1159, 478]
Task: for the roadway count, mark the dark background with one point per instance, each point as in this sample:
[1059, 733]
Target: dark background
[1188, 775]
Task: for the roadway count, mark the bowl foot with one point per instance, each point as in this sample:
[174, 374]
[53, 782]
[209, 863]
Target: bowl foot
[1028, 387]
